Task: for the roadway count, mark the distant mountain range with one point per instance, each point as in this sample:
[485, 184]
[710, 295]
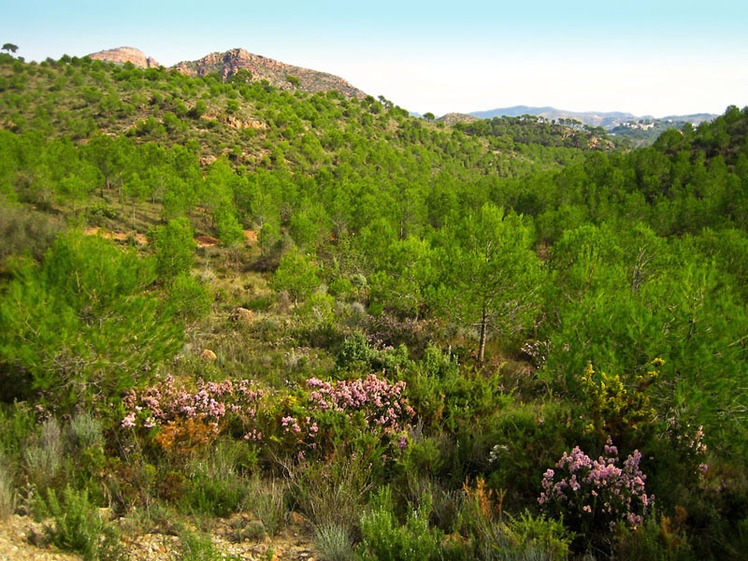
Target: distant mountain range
[607, 120]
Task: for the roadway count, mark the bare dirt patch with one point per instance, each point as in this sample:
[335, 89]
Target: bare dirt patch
[292, 544]
[140, 239]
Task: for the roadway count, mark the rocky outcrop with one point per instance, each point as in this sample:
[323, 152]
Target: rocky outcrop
[451, 118]
[208, 355]
[243, 315]
[278, 74]
[122, 55]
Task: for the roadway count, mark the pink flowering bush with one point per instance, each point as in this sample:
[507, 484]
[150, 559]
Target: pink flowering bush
[330, 414]
[213, 404]
[382, 404]
[595, 496]
[369, 412]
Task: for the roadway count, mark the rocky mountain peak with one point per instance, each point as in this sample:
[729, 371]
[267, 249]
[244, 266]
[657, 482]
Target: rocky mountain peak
[121, 55]
[278, 74]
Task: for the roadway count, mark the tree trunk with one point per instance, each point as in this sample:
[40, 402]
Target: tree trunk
[483, 335]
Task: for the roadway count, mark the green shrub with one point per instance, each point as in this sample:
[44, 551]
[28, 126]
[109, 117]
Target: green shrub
[297, 274]
[538, 537]
[77, 526]
[333, 492]
[355, 354]
[213, 496]
[524, 436]
[85, 432]
[333, 543]
[214, 487]
[90, 302]
[7, 490]
[25, 232]
[665, 540]
[493, 535]
[385, 538]
[99, 213]
[44, 455]
[85, 451]
[424, 455]
[188, 297]
[200, 547]
[266, 499]
[18, 422]
[447, 503]
[174, 247]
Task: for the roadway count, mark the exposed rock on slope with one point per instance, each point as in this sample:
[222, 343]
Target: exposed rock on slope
[278, 74]
[452, 118]
[122, 55]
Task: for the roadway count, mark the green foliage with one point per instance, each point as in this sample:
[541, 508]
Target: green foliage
[197, 546]
[24, 232]
[523, 436]
[664, 540]
[332, 493]
[7, 488]
[450, 396]
[491, 276]
[74, 323]
[333, 543]
[531, 129]
[43, 455]
[85, 432]
[401, 284]
[214, 485]
[491, 535]
[385, 538]
[613, 408]
[266, 498]
[189, 297]
[85, 446]
[174, 248]
[228, 228]
[18, 422]
[409, 237]
[538, 536]
[356, 354]
[297, 274]
[78, 526]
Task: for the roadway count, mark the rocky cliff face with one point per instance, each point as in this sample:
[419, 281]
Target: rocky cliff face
[278, 74]
[122, 55]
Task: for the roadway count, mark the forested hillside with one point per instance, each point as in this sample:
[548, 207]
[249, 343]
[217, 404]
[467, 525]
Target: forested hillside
[506, 339]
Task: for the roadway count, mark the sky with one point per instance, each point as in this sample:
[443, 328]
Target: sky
[645, 57]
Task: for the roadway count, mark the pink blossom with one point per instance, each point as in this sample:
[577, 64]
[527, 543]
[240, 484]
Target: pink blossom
[128, 421]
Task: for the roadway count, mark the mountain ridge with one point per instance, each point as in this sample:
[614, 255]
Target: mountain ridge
[230, 63]
[606, 119]
[123, 55]
[289, 77]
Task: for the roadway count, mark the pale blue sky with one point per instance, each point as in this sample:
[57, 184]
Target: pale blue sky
[654, 57]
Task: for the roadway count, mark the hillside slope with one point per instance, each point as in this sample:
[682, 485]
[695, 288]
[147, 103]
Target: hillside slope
[231, 311]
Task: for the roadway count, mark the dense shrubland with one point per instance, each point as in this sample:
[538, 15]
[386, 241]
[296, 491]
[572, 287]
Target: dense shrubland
[439, 343]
